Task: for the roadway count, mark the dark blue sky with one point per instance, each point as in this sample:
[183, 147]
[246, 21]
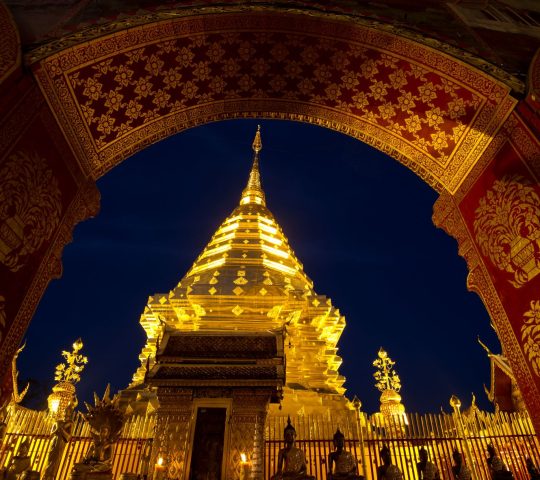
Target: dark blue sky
[359, 221]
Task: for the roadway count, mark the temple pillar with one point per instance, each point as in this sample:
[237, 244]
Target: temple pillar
[495, 217]
[249, 410]
[171, 440]
[43, 194]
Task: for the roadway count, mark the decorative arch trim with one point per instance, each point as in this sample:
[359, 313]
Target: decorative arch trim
[10, 45]
[116, 94]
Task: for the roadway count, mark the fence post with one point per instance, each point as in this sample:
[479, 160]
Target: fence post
[455, 403]
[358, 405]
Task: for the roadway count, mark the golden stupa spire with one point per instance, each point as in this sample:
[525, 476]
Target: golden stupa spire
[247, 279]
[253, 193]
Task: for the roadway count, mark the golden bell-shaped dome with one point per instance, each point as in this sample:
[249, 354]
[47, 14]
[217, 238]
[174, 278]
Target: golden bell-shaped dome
[249, 279]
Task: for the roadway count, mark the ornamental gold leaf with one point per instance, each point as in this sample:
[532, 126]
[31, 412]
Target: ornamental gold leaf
[74, 364]
[506, 226]
[530, 335]
[386, 378]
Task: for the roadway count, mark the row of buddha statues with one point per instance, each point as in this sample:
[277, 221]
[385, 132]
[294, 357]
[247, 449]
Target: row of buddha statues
[105, 424]
[98, 458]
[342, 465]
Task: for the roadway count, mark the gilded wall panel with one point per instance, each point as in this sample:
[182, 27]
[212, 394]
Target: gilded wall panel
[495, 219]
[43, 194]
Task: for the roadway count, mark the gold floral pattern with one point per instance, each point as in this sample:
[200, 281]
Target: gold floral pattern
[9, 44]
[373, 85]
[507, 228]
[30, 207]
[530, 335]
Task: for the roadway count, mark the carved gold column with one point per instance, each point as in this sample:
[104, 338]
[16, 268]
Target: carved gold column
[171, 449]
[246, 456]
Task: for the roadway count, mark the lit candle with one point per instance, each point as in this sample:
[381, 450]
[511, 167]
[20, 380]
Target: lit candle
[244, 472]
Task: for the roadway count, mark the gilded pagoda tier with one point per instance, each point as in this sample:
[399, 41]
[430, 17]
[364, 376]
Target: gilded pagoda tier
[248, 279]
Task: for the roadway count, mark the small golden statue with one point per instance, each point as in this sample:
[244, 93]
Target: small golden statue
[388, 471]
[344, 461]
[105, 420]
[291, 460]
[20, 465]
[459, 469]
[426, 470]
[61, 434]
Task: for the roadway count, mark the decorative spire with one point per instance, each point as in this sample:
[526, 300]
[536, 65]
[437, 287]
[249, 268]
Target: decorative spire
[389, 384]
[70, 371]
[385, 376]
[253, 193]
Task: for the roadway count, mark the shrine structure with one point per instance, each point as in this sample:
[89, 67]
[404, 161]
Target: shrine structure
[244, 331]
[449, 89]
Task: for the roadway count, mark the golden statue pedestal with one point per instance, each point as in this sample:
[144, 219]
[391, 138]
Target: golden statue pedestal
[30, 475]
[90, 476]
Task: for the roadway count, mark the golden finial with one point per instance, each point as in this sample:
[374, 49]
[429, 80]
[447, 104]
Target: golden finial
[253, 193]
[257, 142]
[455, 402]
[386, 378]
[74, 364]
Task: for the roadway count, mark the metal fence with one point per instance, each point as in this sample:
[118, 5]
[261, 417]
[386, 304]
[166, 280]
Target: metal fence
[512, 435]
[129, 455]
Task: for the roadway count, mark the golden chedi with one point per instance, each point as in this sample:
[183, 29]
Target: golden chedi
[249, 279]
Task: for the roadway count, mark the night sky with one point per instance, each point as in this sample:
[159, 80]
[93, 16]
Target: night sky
[359, 221]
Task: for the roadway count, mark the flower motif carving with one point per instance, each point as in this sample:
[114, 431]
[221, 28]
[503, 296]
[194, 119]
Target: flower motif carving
[182, 73]
[30, 207]
[507, 228]
[530, 335]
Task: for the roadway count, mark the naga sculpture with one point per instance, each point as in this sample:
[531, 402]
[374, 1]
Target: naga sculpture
[106, 421]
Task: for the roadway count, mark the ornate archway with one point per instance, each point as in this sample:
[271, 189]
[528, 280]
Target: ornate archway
[93, 99]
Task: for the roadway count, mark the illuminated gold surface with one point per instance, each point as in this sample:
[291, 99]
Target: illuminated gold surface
[16, 396]
[63, 399]
[389, 384]
[70, 371]
[248, 278]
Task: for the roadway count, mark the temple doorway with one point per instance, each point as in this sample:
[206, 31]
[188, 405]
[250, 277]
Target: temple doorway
[208, 441]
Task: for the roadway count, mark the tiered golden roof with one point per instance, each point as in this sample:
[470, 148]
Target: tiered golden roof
[248, 279]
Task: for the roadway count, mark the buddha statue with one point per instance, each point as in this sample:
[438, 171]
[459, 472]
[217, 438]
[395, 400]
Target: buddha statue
[60, 435]
[98, 458]
[388, 471]
[342, 464]
[20, 465]
[291, 460]
[105, 420]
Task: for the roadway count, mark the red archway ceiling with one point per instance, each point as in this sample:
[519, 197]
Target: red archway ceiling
[116, 94]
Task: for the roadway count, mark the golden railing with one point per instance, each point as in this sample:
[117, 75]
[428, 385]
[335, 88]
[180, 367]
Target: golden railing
[129, 455]
[512, 435]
